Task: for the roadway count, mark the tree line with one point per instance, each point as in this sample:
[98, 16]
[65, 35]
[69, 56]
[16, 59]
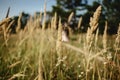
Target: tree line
[81, 8]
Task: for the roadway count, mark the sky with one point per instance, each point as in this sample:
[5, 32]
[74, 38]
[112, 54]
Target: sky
[27, 6]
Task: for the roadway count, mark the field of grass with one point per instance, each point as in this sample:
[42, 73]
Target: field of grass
[39, 54]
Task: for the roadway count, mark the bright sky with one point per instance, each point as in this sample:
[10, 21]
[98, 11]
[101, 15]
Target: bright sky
[28, 6]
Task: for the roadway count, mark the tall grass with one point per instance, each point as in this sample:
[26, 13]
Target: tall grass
[39, 54]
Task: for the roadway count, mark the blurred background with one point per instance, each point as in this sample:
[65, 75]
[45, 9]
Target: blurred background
[63, 8]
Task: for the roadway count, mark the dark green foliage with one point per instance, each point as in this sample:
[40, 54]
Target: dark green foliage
[65, 7]
[110, 13]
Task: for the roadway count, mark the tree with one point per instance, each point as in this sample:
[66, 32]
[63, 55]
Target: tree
[112, 12]
[65, 7]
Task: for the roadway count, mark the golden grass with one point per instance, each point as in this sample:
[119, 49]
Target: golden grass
[79, 23]
[44, 19]
[59, 39]
[35, 53]
[70, 17]
[93, 25]
[19, 23]
[105, 36]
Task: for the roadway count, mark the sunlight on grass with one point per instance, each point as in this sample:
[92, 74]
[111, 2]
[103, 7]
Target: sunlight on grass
[36, 53]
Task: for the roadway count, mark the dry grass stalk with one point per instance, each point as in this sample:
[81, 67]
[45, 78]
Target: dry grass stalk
[70, 29]
[3, 26]
[44, 19]
[19, 23]
[55, 21]
[7, 30]
[90, 36]
[94, 19]
[5, 33]
[70, 17]
[96, 37]
[5, 21]
[80, 51]
[8, 12]
[40, 71]
[16, 75]
[52, 21]
[117, 41]
[93, 25]
[105, 36]
[79, 23]
[14, 64]
[59, 39]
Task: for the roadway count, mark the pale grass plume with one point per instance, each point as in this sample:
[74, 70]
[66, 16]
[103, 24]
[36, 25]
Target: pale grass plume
[52, 22]
[90, 37]
[40, 62]
[105, 36]
[6, 20]
[17, 75]
[59, 39]
[4, 28]
[117, 40]
[44, 17]
[9, 26]
[40, 70]
[93, 26]
[70, 30]
[79, 23]
[14, 64]
[94, 20]
[96, 37]
[19, 23]
[7, 32]
[55, 21]
[70, 17]
[59, 30]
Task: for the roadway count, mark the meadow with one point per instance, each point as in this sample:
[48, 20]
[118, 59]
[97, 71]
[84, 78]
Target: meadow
[35, 53]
